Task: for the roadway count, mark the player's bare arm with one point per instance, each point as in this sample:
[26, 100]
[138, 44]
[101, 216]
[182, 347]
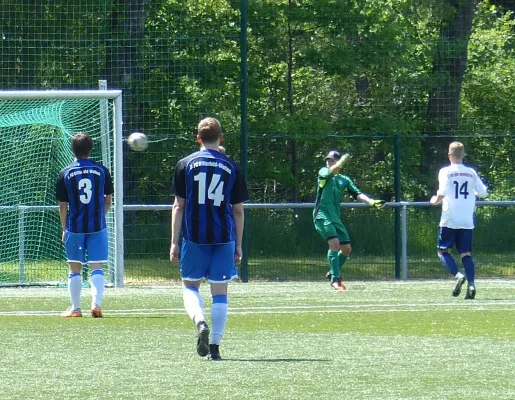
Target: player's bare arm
[480, 189]
[177, 213]
[364, 198]
[63, 212]
[443, 183]
[108, 200]
[435, 200]
[336, 166]
[238, 214]
[371, 202]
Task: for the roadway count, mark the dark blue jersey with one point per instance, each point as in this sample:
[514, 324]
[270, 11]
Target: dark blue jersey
[210, 183]
[83, 185]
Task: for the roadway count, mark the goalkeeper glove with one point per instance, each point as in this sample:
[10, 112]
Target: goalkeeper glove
[377, 203]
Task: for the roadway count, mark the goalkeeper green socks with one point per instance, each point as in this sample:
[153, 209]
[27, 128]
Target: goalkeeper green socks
[334, 264]
[342, 258]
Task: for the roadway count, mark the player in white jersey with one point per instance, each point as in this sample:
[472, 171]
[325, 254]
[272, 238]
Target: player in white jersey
[458, 187]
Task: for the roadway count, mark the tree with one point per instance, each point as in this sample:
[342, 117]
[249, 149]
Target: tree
[125, 34]
[449, 66]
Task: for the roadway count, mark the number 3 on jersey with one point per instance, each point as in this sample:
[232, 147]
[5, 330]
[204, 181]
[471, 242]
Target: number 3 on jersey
[215, 190]
[86, 187]
[460, 189]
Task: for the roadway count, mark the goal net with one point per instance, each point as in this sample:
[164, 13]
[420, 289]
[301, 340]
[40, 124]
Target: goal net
[35, 144]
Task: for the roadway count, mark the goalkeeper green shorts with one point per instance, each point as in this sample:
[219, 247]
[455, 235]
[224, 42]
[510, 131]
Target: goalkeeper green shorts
[330, 229]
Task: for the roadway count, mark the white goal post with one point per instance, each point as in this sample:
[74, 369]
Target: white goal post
[35, 131]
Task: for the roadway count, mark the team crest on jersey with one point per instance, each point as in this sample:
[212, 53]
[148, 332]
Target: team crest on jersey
[340, 182]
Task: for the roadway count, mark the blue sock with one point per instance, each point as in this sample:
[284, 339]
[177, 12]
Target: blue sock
[449, 263]
[470, 268]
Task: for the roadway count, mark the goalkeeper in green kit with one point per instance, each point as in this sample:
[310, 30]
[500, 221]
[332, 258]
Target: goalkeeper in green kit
[326, 215]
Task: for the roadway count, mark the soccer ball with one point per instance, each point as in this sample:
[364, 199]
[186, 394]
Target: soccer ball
[138, 141]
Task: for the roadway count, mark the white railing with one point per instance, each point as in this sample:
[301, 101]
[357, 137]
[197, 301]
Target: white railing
[23, 209]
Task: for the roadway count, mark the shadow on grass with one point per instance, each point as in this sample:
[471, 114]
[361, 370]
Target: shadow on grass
[140, 316]
[277, 360]
[493, 300]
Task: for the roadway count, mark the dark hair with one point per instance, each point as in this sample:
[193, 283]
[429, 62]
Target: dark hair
[82, 143]
[209, 130]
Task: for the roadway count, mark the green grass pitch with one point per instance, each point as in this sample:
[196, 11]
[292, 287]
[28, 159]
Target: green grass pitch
[378, 340]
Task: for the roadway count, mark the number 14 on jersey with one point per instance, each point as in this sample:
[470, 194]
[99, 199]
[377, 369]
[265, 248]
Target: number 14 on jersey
[463, 189]
[215, 190]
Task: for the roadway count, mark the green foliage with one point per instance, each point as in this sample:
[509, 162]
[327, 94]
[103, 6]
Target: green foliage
[319, 73]
[488, 97]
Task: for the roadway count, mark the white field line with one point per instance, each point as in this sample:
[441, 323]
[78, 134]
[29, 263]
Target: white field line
[344, 308]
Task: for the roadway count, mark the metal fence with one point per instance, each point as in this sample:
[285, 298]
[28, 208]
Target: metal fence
[281, 243]
[393, 82]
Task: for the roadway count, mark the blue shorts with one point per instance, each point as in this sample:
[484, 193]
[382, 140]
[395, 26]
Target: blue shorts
[85, 248]
[447, 237]
[214, 262]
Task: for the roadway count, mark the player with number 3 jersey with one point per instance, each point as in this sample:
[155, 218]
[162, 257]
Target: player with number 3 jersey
[458, 186]
[84, 185]
[84, 190]
[209, 192]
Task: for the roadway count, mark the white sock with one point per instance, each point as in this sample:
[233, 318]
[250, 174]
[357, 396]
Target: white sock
[74, 289]
[218, 321]
[459, 275]
[97, 286]
[193, 304]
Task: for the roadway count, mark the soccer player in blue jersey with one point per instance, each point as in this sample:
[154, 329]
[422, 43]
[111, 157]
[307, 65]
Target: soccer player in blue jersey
[209, 192]
[84, 190]
[458, 186]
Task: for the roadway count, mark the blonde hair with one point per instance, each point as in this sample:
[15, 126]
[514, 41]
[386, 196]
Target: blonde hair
[457, 150]
[209, 130]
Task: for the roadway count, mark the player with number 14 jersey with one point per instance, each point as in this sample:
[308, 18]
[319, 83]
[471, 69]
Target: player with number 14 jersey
[210, 182]
[459, 185]
[209, 192]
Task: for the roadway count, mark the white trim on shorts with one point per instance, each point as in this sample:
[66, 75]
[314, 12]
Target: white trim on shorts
[87, 262]
[233, 277]
[193, 280]
[76, 261]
